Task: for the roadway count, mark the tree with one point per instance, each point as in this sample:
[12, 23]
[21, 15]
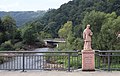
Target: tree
[95, 19]
[77, 44]
[18, 35]
[108, 32]
[51, 28]
[1, 27]
[7, 45]
[75, 11]
[9, 25]
[67, 33]
[104, 27]
[44, 35]
[77, 30]
[65, 30]
[70, 41]
[36, 26]
[29, 36]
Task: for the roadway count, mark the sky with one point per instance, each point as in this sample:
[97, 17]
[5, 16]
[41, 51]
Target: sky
[30, 5]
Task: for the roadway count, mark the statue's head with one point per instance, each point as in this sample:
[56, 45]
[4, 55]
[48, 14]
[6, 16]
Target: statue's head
[88, 26]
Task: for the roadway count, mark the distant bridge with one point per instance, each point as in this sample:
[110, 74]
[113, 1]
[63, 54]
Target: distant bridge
[53, 42]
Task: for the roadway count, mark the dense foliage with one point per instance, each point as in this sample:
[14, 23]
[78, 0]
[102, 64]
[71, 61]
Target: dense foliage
[7, 32]
[75, 11]
[68, 22]
[105, 27]
[102, 15]
[13, 38]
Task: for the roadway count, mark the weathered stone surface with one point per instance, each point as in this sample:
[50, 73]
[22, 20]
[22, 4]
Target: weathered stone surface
[88, 60]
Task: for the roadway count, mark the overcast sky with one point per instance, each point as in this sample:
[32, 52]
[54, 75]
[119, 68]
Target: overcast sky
[30, 5]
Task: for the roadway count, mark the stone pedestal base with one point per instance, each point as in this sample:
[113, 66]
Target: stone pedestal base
[88, 60]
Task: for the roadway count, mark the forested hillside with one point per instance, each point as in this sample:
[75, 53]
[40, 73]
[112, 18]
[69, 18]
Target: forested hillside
[81, 13]
[11, 37]
[75, 11]
[68, 22]
[22, 17]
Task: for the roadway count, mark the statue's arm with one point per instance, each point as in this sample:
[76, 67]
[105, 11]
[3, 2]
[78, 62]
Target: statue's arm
[91, 33]
[84, 35]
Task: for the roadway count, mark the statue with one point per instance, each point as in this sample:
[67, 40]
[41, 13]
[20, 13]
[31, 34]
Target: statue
[88, 55]
[87, 33]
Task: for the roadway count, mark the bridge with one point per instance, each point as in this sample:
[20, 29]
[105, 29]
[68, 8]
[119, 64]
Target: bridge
[59, 73]
[56, 60]
[53, 42]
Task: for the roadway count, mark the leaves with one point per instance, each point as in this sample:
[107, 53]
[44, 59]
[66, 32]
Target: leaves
[29, 36]
[65, 30]
[104, 27]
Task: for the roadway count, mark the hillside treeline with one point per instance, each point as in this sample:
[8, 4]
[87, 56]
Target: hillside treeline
[69, 21]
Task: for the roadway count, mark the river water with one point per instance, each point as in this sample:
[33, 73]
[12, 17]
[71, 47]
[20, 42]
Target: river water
[31, 62]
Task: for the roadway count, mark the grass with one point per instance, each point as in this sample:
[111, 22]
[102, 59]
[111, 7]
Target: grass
[75, 61]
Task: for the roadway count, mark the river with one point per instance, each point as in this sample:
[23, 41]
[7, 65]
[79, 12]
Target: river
[31, 62]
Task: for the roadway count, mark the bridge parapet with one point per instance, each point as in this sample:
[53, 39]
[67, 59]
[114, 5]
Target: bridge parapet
[53, 42]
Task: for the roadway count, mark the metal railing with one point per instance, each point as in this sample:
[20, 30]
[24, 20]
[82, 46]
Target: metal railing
[108, 60]
[31, 60]
[60, 60]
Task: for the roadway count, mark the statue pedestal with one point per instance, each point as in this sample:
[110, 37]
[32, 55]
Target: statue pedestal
[88, 60]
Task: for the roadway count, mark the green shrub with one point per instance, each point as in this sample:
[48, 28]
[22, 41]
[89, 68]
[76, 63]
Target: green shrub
[18, 46]
[7, 45]
[56, 58]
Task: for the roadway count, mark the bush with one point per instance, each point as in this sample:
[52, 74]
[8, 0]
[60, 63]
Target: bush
[18, 46]
[29, 36]
[7, 45]
[75, 62]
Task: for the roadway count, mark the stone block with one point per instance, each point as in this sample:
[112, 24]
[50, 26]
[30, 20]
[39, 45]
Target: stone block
[88, 60]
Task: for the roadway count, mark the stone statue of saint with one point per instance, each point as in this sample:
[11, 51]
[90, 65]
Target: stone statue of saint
[87, 33]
